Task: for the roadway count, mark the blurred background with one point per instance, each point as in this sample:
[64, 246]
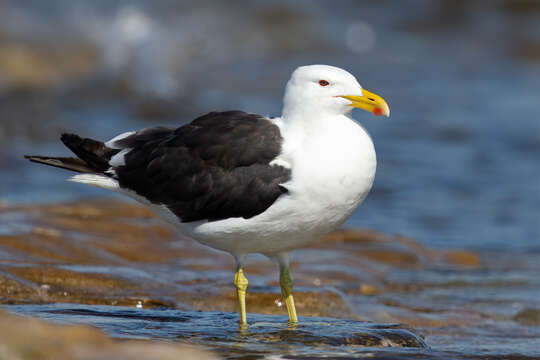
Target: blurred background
[458, 159]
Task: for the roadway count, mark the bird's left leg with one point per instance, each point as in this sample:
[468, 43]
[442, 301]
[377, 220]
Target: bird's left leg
[286, 285]
[241, 283]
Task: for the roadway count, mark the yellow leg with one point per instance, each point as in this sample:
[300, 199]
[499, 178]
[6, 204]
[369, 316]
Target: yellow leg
[286, 292]
[241, 283]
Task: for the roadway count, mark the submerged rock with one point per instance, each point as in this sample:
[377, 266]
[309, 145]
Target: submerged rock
[28, 339]
[115, 253]
[220, 332]
[463, 258]
[308, 303]
[26, 66]
[528, 316]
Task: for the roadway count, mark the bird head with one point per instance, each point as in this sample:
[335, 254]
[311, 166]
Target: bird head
[323, 89]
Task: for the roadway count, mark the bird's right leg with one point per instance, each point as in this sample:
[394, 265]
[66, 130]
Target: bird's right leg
[241, 283]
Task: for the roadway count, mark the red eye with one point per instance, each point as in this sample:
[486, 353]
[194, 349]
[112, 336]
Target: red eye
[323, 83]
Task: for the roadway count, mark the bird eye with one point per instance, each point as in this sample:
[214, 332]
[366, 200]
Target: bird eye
[323, 83]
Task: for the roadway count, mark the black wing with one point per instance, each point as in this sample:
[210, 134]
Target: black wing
[214, 168]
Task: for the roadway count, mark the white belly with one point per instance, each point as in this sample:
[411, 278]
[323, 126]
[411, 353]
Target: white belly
[332, 172]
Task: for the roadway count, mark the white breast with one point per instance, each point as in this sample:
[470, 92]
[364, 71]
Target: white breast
[334, 170]
[333, 167]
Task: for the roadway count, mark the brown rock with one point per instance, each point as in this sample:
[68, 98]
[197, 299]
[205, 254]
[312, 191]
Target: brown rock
[102, 209]
[26, 66]
[79, 343]
[462, 258]
[29, 246]
[71, 280]
[51, 284]
[116, 240]
[397, 258]
[355, 236]
[47, 246]
[528, 316]
[308, 303]
[11, 290]
[369, 290]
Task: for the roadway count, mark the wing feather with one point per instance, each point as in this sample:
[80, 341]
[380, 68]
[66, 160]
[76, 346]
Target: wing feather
[214, 168]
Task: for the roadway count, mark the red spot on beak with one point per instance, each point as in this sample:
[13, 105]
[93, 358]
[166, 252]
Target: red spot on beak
[377, 111]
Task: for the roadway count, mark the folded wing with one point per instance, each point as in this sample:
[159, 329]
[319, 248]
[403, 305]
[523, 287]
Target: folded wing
[214, 168]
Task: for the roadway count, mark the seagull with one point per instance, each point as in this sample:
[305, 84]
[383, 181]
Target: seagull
[245, 183]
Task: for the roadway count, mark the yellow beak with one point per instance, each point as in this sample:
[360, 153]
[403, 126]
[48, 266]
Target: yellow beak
[369, 102]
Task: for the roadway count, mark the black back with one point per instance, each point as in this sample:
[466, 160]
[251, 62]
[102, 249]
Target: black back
[214, 168]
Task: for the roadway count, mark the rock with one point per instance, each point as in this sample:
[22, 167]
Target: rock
[462, 258]
[391, 257]
[308, 303]
[220, 330]
[72, 280]
[354, 236]
[109, 252]
[78, 342]
[528, 316]
[369, 290]
[30, 67]
[14, 291]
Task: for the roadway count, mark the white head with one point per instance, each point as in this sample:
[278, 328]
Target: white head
[328, 90]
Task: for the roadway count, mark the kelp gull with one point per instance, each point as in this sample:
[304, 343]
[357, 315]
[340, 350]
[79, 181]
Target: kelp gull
[244, 183]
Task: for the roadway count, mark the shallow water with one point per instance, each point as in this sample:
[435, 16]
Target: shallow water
[110, 253]
[267, 336]
[458, 159]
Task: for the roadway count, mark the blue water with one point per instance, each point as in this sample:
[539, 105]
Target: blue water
[268, 336]
[458, 160]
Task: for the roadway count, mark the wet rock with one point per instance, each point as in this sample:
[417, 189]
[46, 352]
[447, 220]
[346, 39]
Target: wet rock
[72, 280]
[369, 290]
[381, 338]
[220, 331]
[462, 258]
[326, 304]
[394, 258]
[40, 247]
[12, 290]
[98, 209]
[393, 250]
[50, 284]
[520, 6]
[25, 66]
[77, 342]
[115, 253]
[353, 236]
[529, 316]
